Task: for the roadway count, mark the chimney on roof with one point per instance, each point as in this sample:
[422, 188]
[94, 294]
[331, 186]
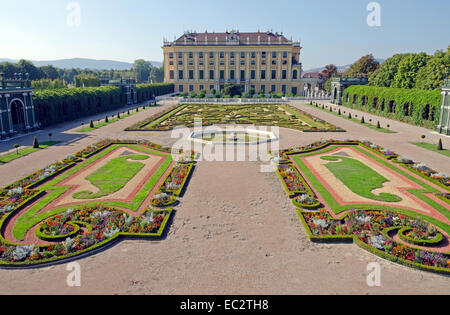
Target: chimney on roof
[259, 39]
[206, 40]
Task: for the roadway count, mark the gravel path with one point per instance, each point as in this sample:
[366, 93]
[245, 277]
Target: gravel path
[235, 232]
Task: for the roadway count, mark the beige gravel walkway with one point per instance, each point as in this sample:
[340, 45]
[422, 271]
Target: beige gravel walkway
[235, 232]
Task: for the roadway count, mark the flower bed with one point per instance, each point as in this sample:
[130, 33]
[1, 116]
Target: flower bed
[99, 225]
[373, 228]
[306, 202]
[162, 200]
[292, 181]
[88, 228]
[175, 182]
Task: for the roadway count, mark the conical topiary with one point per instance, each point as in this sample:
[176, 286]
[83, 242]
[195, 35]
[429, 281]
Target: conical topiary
[363, 121]
[118, 115]
[91, 124]
[440, 146]
[35, 143]
[339, 112]
[106, 119]
[350, 115]
[378, 125]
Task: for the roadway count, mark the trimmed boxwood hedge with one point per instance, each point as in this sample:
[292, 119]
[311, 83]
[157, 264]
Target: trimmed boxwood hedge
[413, 106]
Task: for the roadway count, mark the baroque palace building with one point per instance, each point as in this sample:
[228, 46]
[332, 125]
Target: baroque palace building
[261, 61]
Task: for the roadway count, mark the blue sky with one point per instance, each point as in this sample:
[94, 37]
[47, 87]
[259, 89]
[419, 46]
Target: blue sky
[330, 31]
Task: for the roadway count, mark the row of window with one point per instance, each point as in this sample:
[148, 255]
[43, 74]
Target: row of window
[263, 88]
[221, 54]
[232, 75]
[222, 63]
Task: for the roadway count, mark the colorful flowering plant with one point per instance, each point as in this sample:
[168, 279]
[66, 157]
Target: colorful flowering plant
[163, 200]
[292, 179]
[369, 227]
[99, 224]
[176, 179]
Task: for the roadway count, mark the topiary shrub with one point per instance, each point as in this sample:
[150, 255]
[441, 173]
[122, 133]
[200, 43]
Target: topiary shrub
[35, 143]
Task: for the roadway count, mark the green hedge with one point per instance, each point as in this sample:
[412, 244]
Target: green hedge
[417, 107]
[145, 91]
[60, 105]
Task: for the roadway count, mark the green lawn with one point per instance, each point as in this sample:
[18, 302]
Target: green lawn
[113, 176]
[26, 151]
[359, 178]
[358, 121]
[432, 147]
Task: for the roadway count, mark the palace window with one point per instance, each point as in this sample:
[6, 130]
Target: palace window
[170, 55]
[201, 74]
[242, 75]
[253, 54]
[274, 74]
[284, 75]
[211, 55]
[191, 74]
[222, 54]
[200, 54]
[180, 74]
[263, 74]
[191, 55]
[222, 74]
[285, 54]
[231, 55]
[274, 54]
[172, 74]
[232, 62]
[253, 74]
[232, 74]
[211, 74]
[263, 54]
[242, 55]
[242, 63]
[180, 55]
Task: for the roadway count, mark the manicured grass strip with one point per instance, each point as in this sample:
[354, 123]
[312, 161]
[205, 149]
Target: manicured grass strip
[358, 121]
[302, 117]
[113, 176]
[26, 151]
[111, 120]
[432, 147]
[359, 178]
[165, 117]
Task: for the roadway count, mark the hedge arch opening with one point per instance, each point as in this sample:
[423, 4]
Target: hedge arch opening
[17, 114]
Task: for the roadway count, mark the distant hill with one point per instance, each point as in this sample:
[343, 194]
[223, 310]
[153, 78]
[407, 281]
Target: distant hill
[83, 63]
[338, 67]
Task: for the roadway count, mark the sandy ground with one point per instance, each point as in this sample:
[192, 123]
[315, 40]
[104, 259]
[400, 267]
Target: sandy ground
[235, 232]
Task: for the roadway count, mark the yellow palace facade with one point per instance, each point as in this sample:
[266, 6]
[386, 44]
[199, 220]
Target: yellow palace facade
[208, 61]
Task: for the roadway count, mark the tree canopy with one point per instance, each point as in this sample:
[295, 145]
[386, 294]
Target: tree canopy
[365, 66]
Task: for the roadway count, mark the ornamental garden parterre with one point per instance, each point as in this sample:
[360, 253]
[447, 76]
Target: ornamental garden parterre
[356, 191]
[343, 191]
[107, 191]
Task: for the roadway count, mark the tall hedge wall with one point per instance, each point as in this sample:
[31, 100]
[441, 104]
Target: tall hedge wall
[60, 105]
[417, 107]
[145, 91]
